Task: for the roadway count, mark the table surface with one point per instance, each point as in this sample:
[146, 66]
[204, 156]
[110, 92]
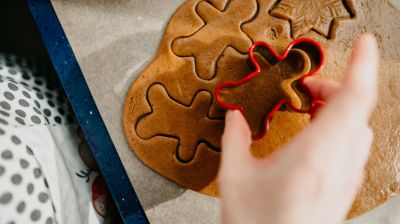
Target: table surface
[113, 41]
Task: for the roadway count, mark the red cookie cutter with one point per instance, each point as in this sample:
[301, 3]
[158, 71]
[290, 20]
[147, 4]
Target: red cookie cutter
[316, 53]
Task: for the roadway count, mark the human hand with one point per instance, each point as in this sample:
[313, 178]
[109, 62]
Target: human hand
[314, 178]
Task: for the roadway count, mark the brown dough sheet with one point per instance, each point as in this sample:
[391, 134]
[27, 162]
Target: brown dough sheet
[173, 125]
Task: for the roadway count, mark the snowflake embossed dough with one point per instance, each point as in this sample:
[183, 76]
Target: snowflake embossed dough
[317, 15]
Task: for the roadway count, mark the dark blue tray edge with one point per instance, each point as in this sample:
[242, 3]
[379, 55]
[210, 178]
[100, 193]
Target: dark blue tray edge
[87, 114]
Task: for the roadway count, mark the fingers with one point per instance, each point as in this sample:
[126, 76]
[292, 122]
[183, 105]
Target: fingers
[348, 109]
[236, 140]
[361, 77]
[355, 102]
[323, 89]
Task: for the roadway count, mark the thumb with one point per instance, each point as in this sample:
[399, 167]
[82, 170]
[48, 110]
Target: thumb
[236, 141]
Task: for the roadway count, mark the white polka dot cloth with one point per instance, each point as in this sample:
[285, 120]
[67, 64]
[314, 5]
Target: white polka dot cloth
[46, 175]
[26, 99]
[24, 190]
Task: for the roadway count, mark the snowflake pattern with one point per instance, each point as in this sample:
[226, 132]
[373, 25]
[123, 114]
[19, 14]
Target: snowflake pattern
[317, 15]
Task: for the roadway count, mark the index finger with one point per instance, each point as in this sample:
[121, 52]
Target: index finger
[346, 112]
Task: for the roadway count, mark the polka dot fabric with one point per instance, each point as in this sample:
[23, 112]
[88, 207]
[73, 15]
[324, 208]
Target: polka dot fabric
[43, 177]
[24, 193]
[26, 98]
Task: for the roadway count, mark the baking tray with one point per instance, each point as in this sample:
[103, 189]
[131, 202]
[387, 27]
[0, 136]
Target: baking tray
[86, 111]
[113, 41]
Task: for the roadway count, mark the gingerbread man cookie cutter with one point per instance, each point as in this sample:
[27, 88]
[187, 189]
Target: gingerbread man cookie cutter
[317, 55]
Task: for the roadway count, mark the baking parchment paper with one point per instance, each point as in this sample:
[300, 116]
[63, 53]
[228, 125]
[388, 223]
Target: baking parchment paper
[113, 42]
